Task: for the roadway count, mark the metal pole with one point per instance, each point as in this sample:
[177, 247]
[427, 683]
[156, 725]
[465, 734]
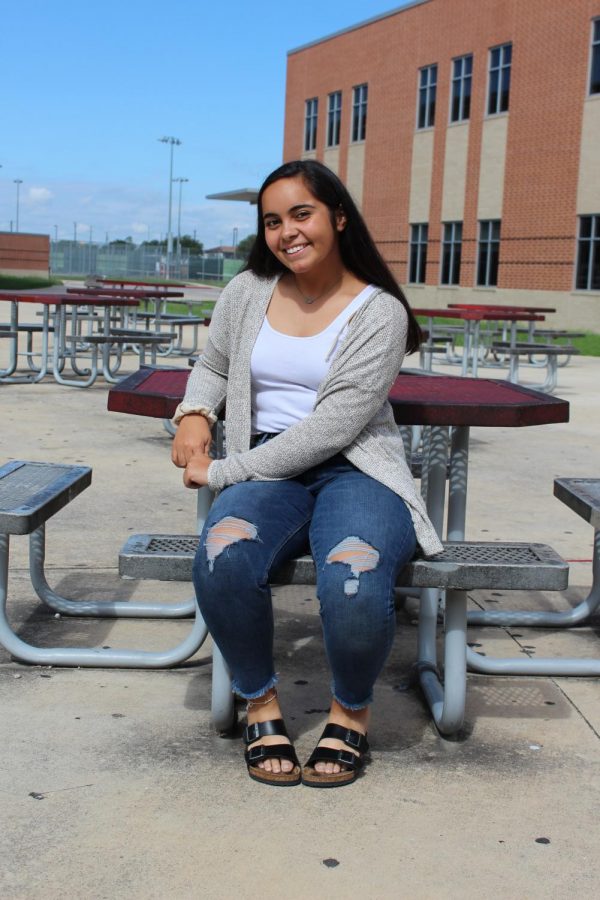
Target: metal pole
[181, 181]
[172, 141]
[18, 182]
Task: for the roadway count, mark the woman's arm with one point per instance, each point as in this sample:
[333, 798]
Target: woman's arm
[205, 391]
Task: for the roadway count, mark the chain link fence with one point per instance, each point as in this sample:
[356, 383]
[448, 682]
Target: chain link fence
[132, 261]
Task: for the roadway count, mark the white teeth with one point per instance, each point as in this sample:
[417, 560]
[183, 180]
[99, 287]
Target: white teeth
[297, 249]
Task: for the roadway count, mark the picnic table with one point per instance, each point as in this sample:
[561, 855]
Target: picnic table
[472, 319]
[437, 401]
[442, 402]
[55, 322]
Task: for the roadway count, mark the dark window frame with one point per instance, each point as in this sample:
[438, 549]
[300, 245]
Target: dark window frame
[417, 264]
[488, 252]
[594, 84]
[500, 64]
[460, 94]
[360, 99]
[587, 265]
[311, 118]
[426, 96]
[334, 118]
[451, 253]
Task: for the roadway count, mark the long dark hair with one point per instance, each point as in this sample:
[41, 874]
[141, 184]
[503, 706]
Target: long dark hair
[357, 248]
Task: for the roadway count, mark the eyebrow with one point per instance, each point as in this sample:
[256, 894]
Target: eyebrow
[291, 209]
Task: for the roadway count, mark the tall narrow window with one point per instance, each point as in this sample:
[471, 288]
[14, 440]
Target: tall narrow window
[588, 254]
[427, 91]
[499, 87]
[595, 66]
[310, 123]
[418, 253]
[489, 253]
[451, 253]
[359, 112]
[462, 73]
[334, 118]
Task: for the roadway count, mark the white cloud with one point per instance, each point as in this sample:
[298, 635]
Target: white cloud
[39, 195]
[139, 228]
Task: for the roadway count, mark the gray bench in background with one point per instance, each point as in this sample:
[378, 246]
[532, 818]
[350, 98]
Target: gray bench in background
[547, 356]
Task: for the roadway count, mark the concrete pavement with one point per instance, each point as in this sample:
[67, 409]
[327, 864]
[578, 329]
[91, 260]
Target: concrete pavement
[114, 786]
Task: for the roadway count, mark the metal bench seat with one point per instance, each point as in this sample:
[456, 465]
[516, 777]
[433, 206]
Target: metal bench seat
[461, 567]
[550, 353]
[30, 494]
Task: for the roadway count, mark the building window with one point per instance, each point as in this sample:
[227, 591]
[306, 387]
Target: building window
[489, 253]
[427, 89]
[595, 67]
[359, 113]
[334, 118]
[451, 253]
[462, 73]
[499, 89]
[418, 253]
[588, 254]
[310, 124]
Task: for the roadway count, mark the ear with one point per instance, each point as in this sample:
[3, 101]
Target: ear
[340, 219]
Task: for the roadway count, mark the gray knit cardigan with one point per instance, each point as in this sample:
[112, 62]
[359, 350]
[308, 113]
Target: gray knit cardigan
[352, 414]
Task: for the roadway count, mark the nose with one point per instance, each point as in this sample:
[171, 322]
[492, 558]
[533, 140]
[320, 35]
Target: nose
[289, 229]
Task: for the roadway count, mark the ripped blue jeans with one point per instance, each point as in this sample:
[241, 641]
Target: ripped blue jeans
[360, 534]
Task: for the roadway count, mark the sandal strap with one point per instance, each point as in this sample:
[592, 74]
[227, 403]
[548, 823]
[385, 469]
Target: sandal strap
[328, 754]
[253, 733]
[260, 752]
[353, 739]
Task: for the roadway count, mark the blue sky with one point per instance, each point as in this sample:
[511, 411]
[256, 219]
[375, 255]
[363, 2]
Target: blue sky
[86, 90]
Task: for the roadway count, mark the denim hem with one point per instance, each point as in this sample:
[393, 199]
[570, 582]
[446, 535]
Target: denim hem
[253, 696]
[352, 706]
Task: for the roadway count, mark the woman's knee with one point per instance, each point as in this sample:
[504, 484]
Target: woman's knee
[227, 553]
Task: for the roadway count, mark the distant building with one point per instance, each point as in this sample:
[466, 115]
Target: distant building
[221, 252]
[24, 254]
[469, 133]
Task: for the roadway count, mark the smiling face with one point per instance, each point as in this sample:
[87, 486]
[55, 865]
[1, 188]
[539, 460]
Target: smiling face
[298, 228]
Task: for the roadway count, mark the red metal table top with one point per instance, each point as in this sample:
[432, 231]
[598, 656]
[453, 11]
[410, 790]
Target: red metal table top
[499, 307]
[416, 399]
[69, 299]
[479, 313]
[125, 282]
[158, 293]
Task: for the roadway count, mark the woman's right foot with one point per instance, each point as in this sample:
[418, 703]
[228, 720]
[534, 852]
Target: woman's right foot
[267, 709]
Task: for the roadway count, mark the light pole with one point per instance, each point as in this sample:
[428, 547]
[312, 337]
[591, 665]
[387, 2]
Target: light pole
[173, 141]
[18, 182]
[181, 181]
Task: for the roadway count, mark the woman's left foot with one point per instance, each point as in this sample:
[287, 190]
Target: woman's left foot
[340, 753]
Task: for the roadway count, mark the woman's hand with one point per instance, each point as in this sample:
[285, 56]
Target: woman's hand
[196, 471]
[192, 437]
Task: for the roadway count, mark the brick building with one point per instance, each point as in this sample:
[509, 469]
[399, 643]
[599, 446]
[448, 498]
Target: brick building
[24, 254]
[469, 133]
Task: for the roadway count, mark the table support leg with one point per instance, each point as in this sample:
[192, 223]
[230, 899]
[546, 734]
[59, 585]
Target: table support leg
[447, 701]
[457, 497]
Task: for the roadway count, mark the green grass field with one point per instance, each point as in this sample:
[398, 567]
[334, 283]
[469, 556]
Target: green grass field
[17, 283]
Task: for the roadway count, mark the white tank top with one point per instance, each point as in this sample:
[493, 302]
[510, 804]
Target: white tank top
[286, 371]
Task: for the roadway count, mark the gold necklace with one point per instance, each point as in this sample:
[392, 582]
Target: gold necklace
[309, 300]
